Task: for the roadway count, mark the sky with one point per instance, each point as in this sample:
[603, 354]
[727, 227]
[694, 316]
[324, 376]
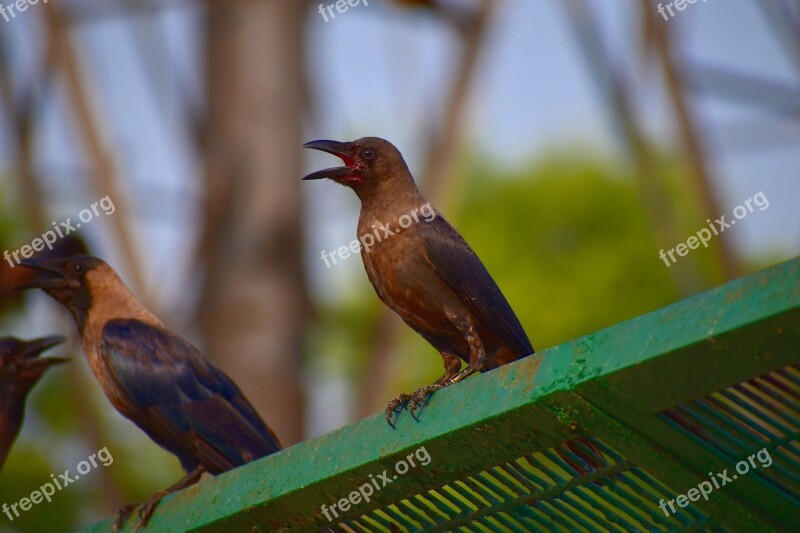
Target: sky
[381, 71]
[534, 94]
[378, 70]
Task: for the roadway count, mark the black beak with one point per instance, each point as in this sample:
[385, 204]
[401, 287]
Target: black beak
[36, 347]
[29, 358]
[50, 277]
[340, 150]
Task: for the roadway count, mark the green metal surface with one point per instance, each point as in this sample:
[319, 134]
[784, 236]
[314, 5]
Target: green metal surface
[667, 398]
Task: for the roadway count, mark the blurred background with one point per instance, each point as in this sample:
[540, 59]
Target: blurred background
[568, 140]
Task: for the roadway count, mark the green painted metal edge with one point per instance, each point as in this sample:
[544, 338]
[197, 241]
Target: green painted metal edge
[529, 405]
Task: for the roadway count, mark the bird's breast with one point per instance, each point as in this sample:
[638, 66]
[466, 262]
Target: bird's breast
[404, 280]
[108, 384]
[388, 261]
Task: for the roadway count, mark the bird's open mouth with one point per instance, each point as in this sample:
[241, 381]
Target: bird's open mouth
[35, 348]
[29, 364]
[341, 150]
[48, 277]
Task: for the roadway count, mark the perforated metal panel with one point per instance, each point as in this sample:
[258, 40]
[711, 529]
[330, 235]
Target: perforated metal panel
[738, 421]
[541, 492]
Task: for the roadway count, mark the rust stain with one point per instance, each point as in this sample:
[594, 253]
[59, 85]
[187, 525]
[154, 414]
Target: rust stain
[537, 362]
[530, 377]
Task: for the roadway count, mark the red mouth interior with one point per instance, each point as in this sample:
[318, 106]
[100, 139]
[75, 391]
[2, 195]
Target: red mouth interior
[349, 162]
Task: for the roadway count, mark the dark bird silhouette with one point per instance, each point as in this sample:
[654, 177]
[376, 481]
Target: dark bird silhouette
[20, 369]
[426, 272]
[155, 378]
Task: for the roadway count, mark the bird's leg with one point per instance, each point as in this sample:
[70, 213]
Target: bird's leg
[452, 364]
[149, 508]
[122, 514]
[477, 353]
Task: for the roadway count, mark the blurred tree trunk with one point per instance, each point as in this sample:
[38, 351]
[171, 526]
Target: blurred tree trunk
[253, 306]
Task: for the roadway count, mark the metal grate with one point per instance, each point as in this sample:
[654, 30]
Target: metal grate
[738, 421]
[553, 490]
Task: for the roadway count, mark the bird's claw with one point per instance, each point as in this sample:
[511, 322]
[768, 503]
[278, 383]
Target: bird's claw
[146, 511]
[413, 401]
[122, 515]
[395, 405]
[420, 397]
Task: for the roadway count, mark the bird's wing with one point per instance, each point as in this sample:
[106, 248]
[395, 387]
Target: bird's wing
[186, 404]
[458, 265]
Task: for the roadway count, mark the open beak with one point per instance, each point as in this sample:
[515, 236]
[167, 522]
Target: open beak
[35, 348]
[49, 276]
[340, 150]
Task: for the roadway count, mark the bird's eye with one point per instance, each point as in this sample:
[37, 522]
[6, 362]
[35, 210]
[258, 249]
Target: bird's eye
[368, 154]
[77, 268]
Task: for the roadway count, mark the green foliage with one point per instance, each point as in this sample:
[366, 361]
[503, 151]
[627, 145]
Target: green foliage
[13, 219]
[569, 243]
[26, 471]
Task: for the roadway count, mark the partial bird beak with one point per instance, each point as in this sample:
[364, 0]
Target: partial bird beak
[33, 349]
[36, 347]
[340, 150]
[50, 277]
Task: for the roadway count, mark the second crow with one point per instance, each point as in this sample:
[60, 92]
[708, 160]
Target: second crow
[154, 377]
[20, 369]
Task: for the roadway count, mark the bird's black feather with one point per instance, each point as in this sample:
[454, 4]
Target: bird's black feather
[177, 394]
[459, 266]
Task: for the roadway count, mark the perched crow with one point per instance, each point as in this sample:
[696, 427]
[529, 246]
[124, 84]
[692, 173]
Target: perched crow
[20, 369]
[154, 377]
[425, 271]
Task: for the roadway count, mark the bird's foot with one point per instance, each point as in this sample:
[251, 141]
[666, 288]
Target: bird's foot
[420, 397]
[122, 515]
[147, 510]
[395, 405]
